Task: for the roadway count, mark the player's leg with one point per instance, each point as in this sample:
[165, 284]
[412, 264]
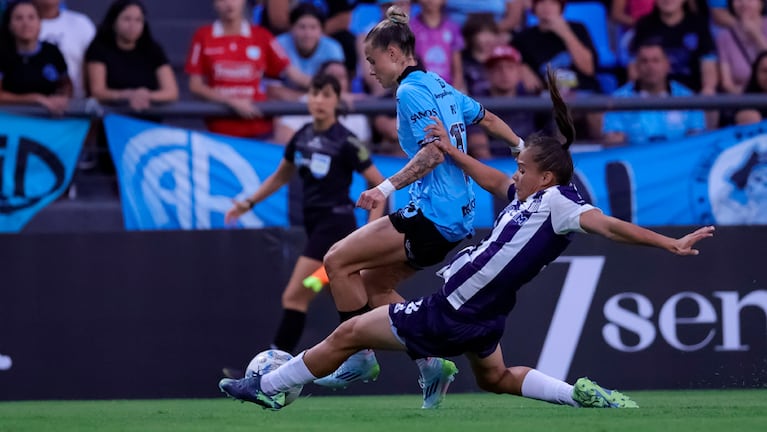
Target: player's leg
[372, 330]
[381, 283]
[373, 245]
[295, 302]
[492, 375]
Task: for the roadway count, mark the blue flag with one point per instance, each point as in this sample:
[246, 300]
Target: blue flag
[37, 159]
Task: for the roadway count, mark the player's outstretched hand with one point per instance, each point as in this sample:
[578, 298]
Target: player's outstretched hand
[437, 134]
[683, 246]
[238, 209]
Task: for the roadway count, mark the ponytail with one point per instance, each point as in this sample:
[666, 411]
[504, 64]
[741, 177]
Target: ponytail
[561, 112]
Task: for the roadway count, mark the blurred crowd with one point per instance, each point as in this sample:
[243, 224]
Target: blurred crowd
[270, 49]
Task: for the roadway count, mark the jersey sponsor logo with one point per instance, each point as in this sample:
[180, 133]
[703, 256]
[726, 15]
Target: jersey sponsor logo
[235, 71]
[444, 93]
[469, 207]
[212, 51]
[418, 115]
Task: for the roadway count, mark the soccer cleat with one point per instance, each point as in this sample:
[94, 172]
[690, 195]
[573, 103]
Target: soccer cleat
[589, 394]
[248, 389]
[313, 283]
[361, 366]
[435, 379]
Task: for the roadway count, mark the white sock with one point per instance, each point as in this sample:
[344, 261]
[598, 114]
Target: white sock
[538, 385]
[291, 374]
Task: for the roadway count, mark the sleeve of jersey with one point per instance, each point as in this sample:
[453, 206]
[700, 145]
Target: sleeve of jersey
[416, 106]
[194, 58]
[566, 212]
[473, 111]
[290, 150]
[276, 58]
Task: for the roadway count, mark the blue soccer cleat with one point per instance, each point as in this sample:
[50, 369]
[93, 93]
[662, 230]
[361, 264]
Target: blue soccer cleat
[248, 389]
[361, 366]
[591, 395]
[435, 379]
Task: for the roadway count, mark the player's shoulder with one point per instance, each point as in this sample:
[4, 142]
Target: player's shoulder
[204, 32]
[566, 192]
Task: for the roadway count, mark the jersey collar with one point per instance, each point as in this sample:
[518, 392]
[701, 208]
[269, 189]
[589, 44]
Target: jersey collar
[218, 29]
[410, 69]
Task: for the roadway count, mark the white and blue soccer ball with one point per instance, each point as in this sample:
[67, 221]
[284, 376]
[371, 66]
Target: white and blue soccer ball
[268, 361]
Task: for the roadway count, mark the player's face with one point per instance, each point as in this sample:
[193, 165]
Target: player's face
[383, 65]
[25, 22]
[529, 179]
[306, 33]
[322, 104]
[130, 24]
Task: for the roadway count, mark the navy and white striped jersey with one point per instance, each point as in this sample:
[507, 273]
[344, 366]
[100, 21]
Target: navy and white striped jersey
[481, 281]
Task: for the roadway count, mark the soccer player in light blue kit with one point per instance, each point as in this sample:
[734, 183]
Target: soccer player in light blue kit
[365, 267]
[467, 315]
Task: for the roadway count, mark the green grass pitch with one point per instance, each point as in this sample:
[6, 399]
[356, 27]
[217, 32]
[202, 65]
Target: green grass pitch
[678, 411]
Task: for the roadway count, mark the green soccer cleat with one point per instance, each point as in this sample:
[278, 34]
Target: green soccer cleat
[248, 389]
[313, 283]
[591, 395]
[434, 381]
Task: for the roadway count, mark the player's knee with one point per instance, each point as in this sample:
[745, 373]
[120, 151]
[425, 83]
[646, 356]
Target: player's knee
[344, 336]
[334, 260]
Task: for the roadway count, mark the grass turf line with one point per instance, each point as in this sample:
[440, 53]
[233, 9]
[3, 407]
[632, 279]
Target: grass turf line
[679, 411]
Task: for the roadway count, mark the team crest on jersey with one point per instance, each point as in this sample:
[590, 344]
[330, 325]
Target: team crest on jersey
[253, 52]
[320, 165]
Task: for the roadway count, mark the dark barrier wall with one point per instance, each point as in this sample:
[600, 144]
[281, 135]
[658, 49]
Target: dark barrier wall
[157, 314]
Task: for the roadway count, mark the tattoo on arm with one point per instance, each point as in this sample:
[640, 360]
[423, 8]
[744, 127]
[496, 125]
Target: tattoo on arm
[422, 163]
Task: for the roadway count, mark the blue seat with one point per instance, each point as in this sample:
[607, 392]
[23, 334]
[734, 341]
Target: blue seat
[364, 16]
[593, 15]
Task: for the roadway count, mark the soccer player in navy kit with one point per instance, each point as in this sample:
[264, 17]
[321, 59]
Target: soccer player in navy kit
[365, 267]
[325, 154]
[468, 314]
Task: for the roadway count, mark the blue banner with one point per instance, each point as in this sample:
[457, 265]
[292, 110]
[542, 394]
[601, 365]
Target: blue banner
[172, 178]
[37, 159]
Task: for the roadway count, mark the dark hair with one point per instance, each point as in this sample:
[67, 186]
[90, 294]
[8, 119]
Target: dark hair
[393, 30]
[650, 42]
[548, 152]
[753, 83]
[327, 64]
[106, 31]
[477, 23]
[322, 79]
[303, 9]
[7, 40]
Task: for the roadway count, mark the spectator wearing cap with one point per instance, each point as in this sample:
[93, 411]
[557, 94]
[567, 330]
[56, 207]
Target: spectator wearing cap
[504, 71]
[631, 127]
[307, 48]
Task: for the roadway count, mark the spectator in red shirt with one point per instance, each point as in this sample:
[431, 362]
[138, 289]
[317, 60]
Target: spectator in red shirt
[226, 63]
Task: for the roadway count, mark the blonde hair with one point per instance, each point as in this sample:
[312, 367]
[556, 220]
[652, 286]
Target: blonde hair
[393, 29]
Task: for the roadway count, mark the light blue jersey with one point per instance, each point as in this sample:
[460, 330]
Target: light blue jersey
[445, 195]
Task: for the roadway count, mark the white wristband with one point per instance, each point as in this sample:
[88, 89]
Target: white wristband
[521, 144]
[386, 188]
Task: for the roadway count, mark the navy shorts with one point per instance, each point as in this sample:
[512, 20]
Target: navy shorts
[430, 327]
[324, 227]
[424, 244]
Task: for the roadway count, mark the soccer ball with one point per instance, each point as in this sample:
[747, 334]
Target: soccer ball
[268, 361]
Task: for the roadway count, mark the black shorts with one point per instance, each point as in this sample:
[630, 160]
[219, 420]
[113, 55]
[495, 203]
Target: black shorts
[324, 227]
[424, 244]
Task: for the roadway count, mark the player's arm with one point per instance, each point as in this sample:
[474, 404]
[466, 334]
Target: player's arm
[493, 125]
[276, 180]
[595, 222]
[489, 178]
